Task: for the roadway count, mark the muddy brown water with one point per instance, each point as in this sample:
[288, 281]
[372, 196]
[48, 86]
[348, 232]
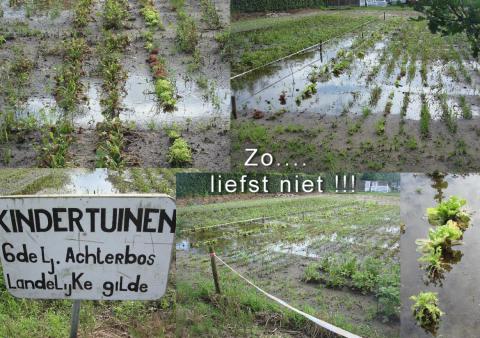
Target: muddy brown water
[459, 297]
[350, 91]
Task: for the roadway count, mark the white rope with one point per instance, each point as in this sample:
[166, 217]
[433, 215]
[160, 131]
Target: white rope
[325, 325]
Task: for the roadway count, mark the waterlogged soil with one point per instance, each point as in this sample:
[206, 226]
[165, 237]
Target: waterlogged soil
[202, 114]
[274, 253]
[459, 295]
[333, 121]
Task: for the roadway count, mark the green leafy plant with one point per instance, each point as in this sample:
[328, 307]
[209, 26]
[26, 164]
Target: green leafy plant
[179, 154]
[111, 144]
[309, 91]
[424, 118]
[451, 209]
[187, 34]
[114, 13]
[210, 14]
[366, 277]
[444, 236]
[311, 273]
[380, 126]
[426, 310]
[56, 141]
[165, 93]
[82, 12]
[466, 109]
[375, 96]
[150, 14]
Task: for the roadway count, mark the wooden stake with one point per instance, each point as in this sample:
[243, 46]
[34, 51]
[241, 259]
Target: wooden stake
[214, 270]
[321, 51]
[234, 107]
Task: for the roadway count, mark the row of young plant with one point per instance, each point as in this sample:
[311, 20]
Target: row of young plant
[339, 64]
[57, 138]
[164, 87]
[111, 132]
[406, 49]
[370, 276]
[16, 76]
[179, 153]
[450, 221]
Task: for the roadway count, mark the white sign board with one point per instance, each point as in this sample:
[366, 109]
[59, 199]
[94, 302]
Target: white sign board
[87, 247]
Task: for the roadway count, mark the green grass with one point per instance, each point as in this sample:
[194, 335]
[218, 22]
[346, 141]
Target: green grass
[51, 318]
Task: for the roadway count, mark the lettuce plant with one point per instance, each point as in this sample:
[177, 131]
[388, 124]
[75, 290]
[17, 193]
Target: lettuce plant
[450, 210]
[426, 311]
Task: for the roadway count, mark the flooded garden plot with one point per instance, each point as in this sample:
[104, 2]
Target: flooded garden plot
[447, 279]
[332, 256]
[389, 88]
[51, 318]
[112, 83]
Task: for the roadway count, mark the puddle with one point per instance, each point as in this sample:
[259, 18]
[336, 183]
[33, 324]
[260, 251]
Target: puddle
[90, 112]
[185, 245]
[298, 249]
[459, 296]
[390, 230]
[140, 100]
[41, 15]
[139, 105]
[11, 12]
[263, 89]
[44, 109]
[90, 182]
